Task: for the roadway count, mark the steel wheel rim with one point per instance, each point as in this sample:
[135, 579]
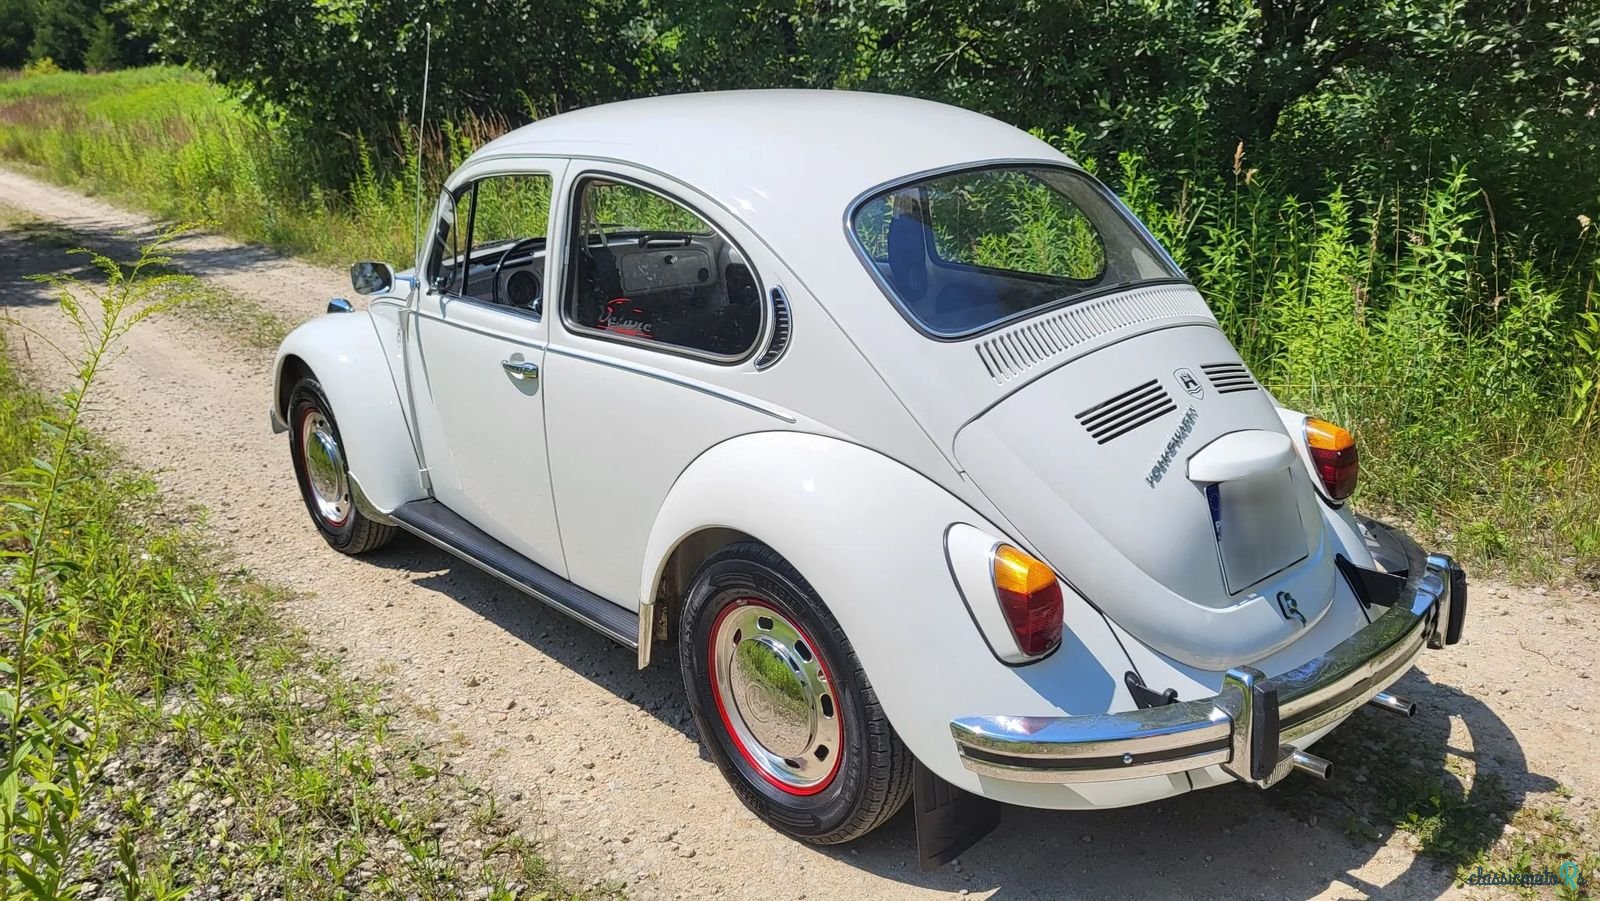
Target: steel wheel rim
[776, 697]
[325, 472]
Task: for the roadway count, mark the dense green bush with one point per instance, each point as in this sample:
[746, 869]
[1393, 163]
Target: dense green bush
[1376, 96]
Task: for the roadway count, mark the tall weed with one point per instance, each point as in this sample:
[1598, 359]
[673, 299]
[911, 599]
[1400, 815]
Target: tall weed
[1465, 367]
[55, 680]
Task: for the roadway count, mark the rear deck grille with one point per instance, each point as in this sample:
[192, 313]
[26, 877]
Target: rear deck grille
[1229, 378]
[1009, 354]
[1119, 415]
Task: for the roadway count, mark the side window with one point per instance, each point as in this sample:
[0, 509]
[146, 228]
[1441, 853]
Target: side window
[646, 268]
[507, 231]
[445, 256]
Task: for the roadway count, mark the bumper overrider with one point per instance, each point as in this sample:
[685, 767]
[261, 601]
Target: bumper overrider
[1245, 728]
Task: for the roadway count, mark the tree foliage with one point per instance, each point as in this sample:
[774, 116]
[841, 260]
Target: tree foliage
[353, 66]
[16, 32]
[72, 34]
[1370, 94]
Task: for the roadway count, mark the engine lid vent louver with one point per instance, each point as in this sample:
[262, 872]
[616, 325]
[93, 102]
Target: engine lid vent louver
[1117, 416]
[782, 327]
[1229, 378]
[1011, 353]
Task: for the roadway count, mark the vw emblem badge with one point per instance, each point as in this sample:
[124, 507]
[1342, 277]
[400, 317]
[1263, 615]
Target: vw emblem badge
[1189, 383]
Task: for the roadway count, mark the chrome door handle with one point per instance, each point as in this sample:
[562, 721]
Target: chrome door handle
[520, 369]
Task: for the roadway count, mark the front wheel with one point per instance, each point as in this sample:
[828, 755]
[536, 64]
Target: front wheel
[324, 477]
[783, 705]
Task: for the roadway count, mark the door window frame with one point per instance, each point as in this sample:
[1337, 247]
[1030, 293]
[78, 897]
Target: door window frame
[571, 238]
[548, 167]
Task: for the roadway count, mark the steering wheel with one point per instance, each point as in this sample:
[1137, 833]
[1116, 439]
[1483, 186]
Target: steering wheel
[494, 283]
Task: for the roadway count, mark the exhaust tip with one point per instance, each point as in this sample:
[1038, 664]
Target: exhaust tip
[1394, 704]
[1312, 765]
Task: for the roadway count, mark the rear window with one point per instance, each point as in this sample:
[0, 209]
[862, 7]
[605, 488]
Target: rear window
[962, 252]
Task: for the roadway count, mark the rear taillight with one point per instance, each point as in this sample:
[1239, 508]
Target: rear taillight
[1030, 597]
[1333, 456]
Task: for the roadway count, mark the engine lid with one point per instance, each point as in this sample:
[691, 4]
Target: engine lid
[1155, 477]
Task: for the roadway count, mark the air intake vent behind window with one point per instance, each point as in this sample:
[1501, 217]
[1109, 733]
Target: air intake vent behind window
[1229, 378]
[1127, 411]
[1012, 352]
[782, 327]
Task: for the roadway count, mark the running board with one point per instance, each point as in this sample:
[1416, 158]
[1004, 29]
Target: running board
[437, 524]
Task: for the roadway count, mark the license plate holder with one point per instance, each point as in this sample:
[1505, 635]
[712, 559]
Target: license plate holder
[1258, 528]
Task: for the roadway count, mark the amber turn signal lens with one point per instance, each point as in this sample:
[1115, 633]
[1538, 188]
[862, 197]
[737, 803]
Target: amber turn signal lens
[1030, 597]
[1333, 455]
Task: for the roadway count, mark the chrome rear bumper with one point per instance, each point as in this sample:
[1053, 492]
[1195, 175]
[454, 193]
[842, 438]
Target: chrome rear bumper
[1247, 726]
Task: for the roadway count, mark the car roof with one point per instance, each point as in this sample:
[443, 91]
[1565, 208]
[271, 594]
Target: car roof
[770, 154]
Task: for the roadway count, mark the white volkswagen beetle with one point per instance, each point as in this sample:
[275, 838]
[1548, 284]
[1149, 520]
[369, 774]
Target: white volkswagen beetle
[936, 468]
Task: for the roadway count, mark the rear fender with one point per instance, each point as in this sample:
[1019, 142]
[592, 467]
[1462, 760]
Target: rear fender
[869, 535]
[346, 356]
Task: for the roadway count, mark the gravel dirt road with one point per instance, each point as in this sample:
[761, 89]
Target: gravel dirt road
[602, 759]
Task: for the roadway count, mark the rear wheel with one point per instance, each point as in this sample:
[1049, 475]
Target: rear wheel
[782, 703]
[324, 477]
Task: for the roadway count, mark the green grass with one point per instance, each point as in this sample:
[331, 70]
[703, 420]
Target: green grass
[166, 140]
[1466, 361]
[164, 731]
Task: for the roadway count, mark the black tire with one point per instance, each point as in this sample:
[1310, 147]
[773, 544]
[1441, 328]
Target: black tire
[353, 533]
[871, 778]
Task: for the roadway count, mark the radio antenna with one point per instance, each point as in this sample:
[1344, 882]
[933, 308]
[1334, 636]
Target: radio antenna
[422, 136]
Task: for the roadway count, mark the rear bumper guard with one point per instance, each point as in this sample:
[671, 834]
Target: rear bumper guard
[1246, 727]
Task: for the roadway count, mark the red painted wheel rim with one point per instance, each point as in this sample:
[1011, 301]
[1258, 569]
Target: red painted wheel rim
[776, 697]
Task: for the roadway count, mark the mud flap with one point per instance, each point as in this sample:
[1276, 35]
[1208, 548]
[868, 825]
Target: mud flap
[949, 820]
[1458, 605]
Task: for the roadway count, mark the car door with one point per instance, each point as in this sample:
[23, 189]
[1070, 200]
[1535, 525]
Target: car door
[476, 352]
[656, 346]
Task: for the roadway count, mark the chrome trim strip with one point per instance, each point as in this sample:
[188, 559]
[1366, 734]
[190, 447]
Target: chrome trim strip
[478, 329]
[365, 505]
[647, 632]
[1186, 735]
[681, 381]
[742, 400]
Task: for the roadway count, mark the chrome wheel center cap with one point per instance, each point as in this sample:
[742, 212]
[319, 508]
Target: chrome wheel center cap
[773, 695]
[325, 469]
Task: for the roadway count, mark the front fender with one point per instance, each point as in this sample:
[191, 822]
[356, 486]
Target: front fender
[869, 535]
[347, 357]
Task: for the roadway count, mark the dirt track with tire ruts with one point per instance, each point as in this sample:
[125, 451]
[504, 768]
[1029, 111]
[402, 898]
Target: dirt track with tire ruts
[600, 762]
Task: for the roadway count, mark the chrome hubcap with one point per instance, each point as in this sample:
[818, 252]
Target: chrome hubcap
[775, 697]
[325, 473]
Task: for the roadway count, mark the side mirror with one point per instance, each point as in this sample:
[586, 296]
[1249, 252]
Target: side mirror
[371, 278]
